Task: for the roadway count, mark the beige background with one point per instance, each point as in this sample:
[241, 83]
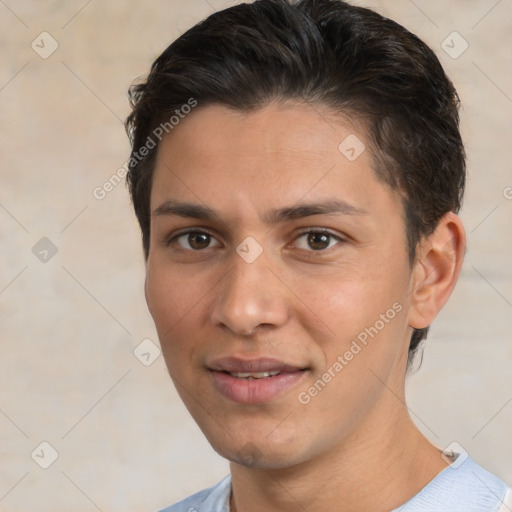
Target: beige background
[69, 326]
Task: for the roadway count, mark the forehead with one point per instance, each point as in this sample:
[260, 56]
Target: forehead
[280, 153]
[289, 129]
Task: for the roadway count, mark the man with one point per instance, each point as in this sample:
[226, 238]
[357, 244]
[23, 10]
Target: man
[297, 170]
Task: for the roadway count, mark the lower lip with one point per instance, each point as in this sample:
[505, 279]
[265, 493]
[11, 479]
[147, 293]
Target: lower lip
[255, 391]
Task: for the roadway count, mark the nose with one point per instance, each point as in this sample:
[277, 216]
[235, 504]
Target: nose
[250, 297]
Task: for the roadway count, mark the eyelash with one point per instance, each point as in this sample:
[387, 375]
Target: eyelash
[337, 238]
[324, 231]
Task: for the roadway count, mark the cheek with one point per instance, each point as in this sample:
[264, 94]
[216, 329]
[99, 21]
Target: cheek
[162, 297]
[360, 304]
[173, 302]
[349, 302]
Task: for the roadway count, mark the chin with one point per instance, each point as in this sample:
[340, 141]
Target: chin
[259, 452]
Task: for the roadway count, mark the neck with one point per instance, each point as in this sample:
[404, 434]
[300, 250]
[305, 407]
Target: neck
[376, 469]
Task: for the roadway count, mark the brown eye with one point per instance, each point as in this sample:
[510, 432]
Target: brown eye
[196, 241]
[199, 240]
[318, 241]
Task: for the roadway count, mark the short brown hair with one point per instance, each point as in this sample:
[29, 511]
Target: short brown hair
[325, 52]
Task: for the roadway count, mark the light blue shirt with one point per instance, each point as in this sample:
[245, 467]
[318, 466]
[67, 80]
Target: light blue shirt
[464, 486]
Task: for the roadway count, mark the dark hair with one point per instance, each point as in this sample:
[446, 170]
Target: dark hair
[324, 52]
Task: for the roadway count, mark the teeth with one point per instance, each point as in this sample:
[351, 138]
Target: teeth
[254, 375]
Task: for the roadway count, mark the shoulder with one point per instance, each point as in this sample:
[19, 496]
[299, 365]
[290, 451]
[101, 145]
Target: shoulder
[213, 499]
[506, 506]
[464, 486]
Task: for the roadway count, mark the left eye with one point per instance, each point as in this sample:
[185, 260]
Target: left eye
[316, 241]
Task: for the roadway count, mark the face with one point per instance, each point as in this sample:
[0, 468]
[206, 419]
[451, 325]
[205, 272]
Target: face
[278, 279]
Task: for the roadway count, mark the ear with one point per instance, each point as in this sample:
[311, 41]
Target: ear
[436, 269]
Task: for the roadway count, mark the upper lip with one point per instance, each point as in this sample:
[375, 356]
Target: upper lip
[262, 364]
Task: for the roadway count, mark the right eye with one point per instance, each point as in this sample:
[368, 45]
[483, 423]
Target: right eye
[195, 241]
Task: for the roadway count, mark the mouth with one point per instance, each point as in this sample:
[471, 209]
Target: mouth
[253, 375]
[254, 381]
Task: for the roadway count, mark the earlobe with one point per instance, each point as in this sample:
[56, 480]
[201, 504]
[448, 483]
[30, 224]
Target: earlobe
[436, 270]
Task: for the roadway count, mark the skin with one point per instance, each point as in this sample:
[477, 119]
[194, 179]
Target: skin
[354, 442]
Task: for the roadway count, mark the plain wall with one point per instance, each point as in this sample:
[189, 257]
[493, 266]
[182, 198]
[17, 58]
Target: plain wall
[70, 324]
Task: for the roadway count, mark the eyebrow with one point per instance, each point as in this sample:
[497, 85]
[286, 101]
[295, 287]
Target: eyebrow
[297, 211]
